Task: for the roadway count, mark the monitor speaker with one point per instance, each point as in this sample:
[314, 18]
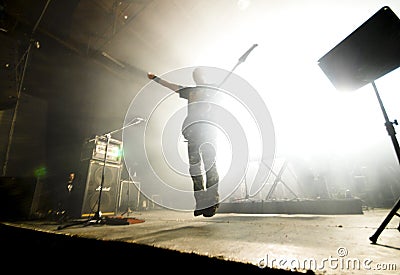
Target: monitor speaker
[109, 194]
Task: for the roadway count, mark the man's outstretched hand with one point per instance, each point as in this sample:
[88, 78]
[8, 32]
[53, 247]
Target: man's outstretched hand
[151, 75]
[169, 85]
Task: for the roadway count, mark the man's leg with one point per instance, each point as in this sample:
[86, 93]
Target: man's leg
[212, 178]
[197, 177]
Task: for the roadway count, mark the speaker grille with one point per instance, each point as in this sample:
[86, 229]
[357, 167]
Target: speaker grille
[109, 193]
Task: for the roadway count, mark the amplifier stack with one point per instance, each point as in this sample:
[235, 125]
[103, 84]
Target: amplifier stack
[92, 158]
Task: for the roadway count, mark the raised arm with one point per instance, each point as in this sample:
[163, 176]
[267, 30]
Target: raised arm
[163, 82]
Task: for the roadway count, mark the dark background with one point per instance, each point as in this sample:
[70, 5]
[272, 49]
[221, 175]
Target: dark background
[69, 93]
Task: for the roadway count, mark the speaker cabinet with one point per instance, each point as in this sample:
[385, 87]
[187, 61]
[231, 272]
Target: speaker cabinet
[109, 194]
[130, 197]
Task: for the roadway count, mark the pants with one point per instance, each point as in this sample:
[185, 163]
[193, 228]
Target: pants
[204, 173]
[202, 157]
[201, 139]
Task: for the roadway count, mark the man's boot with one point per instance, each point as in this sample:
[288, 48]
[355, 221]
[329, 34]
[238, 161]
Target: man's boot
[212, 198]
[201, 202]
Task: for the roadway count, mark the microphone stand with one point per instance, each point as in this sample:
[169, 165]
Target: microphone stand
[97, 217]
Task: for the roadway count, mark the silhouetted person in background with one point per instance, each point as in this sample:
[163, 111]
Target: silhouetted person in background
[201, 136]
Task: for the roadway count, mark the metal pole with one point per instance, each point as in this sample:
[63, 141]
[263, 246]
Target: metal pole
[392, 133]
[19, 91]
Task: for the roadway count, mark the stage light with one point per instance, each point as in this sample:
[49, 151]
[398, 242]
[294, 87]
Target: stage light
[367, 54]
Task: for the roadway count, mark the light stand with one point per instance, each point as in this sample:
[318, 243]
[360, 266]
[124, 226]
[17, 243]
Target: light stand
[389, 125]
[367, 54]
[278, 179]
[392, 133]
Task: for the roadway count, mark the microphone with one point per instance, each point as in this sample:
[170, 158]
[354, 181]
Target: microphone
[246, 54]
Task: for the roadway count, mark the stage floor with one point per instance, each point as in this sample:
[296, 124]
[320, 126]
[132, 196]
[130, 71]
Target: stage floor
[321, 244]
